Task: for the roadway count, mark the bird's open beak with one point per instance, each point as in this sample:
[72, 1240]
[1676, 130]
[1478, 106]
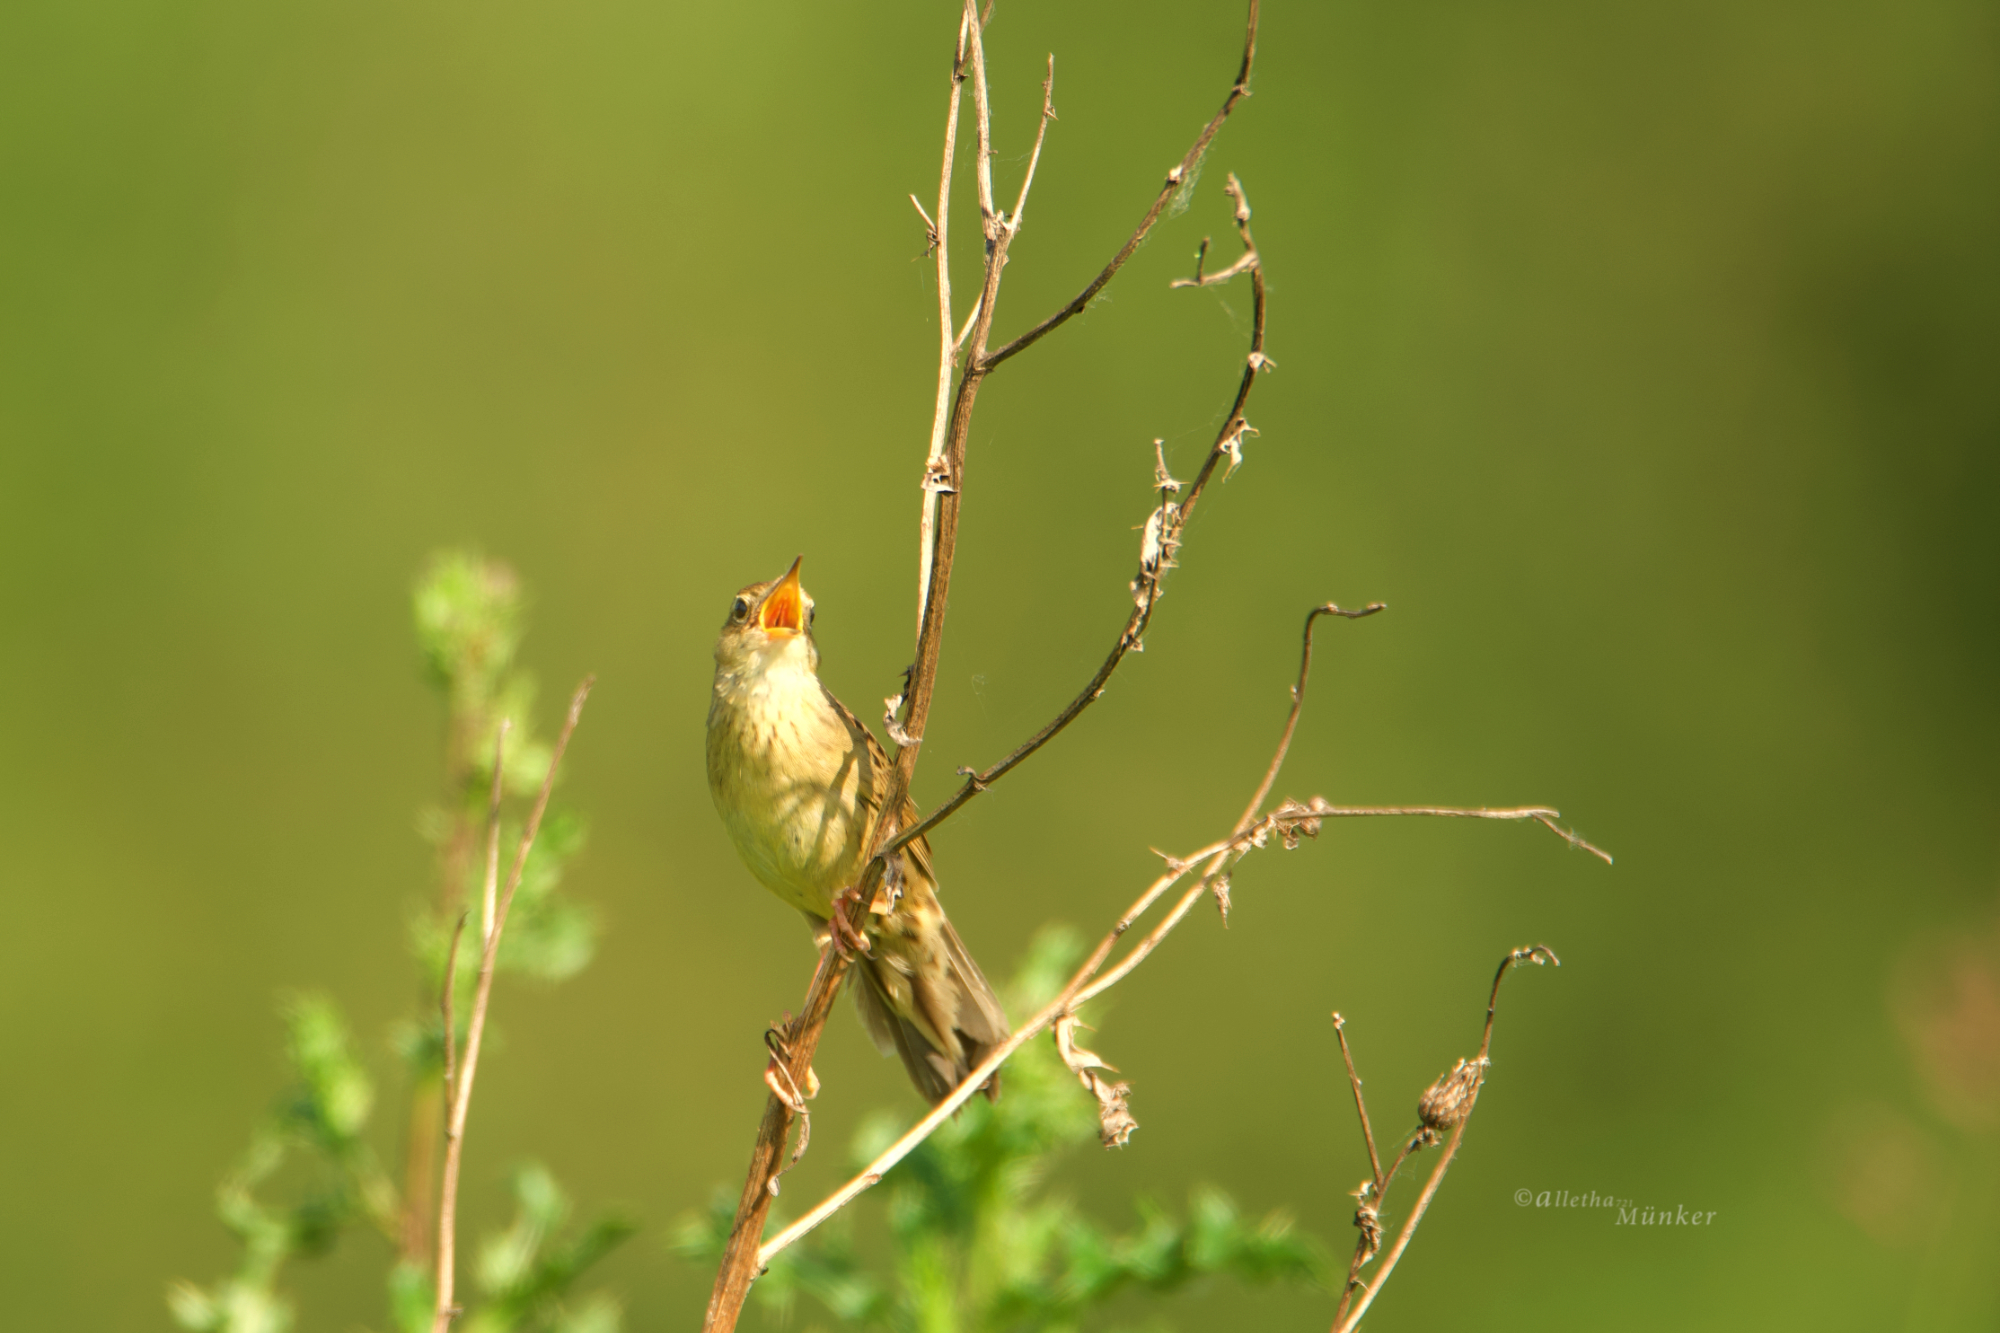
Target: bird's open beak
[784, 608]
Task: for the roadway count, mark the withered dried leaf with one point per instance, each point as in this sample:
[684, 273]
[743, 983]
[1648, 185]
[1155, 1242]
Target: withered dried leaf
[1162, 479]
[1233, 446]
[889, 723]
[1114, 1117]
[1294, 821]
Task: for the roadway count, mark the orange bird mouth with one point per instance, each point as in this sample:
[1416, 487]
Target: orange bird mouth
[784, 608]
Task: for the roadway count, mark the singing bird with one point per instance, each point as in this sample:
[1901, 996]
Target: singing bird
[798, 781]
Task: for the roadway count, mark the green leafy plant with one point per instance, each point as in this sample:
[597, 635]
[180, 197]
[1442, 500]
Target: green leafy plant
[978, 1246]
[312, 1147]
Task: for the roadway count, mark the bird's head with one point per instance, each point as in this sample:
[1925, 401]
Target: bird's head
[768, 623]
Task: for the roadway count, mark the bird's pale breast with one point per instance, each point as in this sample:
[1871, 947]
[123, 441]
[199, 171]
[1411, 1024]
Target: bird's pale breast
[785, 769]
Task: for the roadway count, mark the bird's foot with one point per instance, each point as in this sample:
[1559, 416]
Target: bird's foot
[847, 940]
[778, 1078]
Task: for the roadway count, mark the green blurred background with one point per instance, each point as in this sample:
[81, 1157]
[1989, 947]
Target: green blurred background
[1642, 357]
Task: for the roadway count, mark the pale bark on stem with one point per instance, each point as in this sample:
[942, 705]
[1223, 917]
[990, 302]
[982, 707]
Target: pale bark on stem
[1360, 1106]
[489, 897]
[460, 1102]
[444, 1008]
[940, 238]
[1540, 814]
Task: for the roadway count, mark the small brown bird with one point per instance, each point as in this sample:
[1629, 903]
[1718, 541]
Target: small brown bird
[798, 782]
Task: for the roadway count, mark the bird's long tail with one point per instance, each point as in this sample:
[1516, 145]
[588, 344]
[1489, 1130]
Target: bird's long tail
[923, 997]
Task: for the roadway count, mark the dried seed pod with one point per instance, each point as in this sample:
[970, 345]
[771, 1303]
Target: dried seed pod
[1447, 1102]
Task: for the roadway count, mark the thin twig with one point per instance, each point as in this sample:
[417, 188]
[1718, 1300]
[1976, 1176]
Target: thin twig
[982, 110]
[1299, 696]
[938, 542]
[1248, 833]
[1234, 189]
[447, 1240]
[944, 482]
[490, 894]
[930, 228]
[1035, 156]
[964, 332]
[1542, 815]
[1368, 1198]
[1345, 1320]
[940, 245]
[1360, 1104]
[1068, 999]
[1172, 522]
[461, 1102]
[1181, 173]
[444, 1009]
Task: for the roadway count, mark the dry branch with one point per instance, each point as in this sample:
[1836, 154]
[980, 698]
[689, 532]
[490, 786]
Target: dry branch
[1446, 1105]
[1182, 172]
[1250, 833]
[1162, 543]
[459, 1097]
[939, 239]
[944, 481]
[908, 712]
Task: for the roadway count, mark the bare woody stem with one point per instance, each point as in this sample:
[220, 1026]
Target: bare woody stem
[1173, 518]
[945, 480]
[1086, 981]
[460, 1096]
[1176, 178]
[1360, 1104]
[939, 239]
[488, 899]
[1540, 814]
[1345, 1319]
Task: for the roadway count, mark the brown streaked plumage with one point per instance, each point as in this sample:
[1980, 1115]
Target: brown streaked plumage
[796, 778]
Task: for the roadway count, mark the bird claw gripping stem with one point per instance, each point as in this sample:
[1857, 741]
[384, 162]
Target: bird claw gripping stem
[847, 940]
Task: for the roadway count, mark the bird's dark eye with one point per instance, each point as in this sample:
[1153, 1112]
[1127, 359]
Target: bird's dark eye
[811, 611]
[739, 608]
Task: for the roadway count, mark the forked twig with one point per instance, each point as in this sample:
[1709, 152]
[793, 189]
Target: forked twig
[1086, 982]
[944, 473]
[460, 1102]
[935, 480]
[1234, 189]
[1164, 533]
[943, 482]
[1182, 172]
[1447, 1104]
